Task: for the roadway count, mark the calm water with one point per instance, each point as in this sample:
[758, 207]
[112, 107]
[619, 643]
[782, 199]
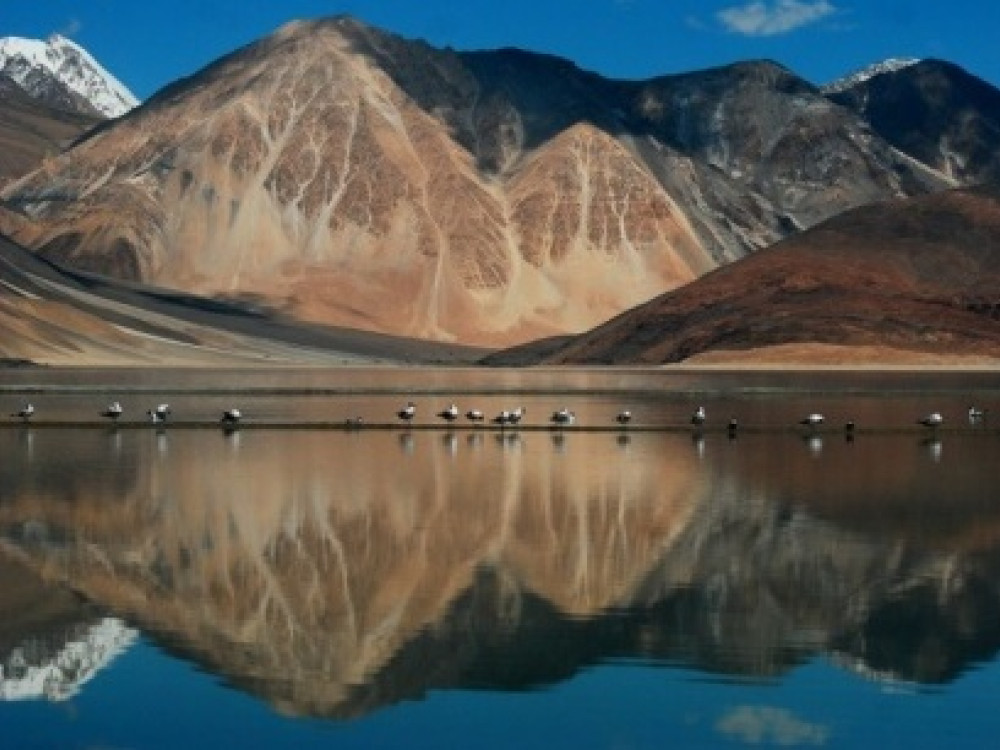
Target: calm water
[416, 587]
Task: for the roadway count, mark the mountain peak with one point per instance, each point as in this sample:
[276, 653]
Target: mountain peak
[36, 64]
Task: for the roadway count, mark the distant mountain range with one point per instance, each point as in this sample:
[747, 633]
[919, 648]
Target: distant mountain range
[339, 175]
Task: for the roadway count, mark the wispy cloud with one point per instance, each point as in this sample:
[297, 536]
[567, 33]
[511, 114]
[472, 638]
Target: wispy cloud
[71, 29]
[755, 725]
[760, 18]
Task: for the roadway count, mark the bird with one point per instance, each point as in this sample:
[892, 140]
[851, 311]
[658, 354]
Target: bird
[26, 412]
[562, 417]
[159, 413]
[354, 422]
[231, 417]
[502, 419]
[515, 416]
[976, 414]
[732, 428]
[849, 431]
[450, 414]
[699, 416]
[474, 415]
[623, 417]
[812, 420]
[407, 412]
[934, 419]
[113, 411]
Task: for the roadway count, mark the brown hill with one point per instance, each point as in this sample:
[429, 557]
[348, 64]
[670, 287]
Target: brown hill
[349, 177]
[912, 280]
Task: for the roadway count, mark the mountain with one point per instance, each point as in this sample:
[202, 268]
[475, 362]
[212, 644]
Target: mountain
[489, 198]
[31, 131]
[934, 111]
[912, 280]
[62, 74]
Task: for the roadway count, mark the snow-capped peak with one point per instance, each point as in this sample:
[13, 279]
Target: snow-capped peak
[25, 60]
[33, 671]
[886, 66]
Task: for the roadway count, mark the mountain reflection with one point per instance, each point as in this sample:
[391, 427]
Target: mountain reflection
[333, 573]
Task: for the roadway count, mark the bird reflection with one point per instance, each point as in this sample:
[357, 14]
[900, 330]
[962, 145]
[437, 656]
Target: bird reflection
[933, 447]
[234, 438]
[698, 440]
[508, 440]
[815, 444]
[161, 443]
[559, 442]
[624, 441]
[450, 442]
[26, 438]
[115, 440]
[474, 440]
[406, 442]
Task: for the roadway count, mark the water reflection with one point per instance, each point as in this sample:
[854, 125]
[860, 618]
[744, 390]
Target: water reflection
[316, 570]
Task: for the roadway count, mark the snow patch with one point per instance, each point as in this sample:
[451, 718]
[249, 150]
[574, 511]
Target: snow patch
[892, 65]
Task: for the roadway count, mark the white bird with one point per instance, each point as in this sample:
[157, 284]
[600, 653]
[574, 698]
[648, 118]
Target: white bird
[450, 414]
[515, 416]
[812, 420]
[231, 417]
[474, 415]
[503, 419]
[934, 419]
[26, 412]
[623, 417]
[976, 414]
[407, 412]
[562, 417]
[113, 411]
[698, 418]
[160, 412]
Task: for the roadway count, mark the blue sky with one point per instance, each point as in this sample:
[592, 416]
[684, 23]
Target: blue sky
[149, 43]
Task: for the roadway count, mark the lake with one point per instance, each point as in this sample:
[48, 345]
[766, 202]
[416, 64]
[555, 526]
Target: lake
[293, 582]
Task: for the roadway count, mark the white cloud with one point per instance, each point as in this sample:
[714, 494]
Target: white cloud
[760, 18]
[755, 725]
[71, 29]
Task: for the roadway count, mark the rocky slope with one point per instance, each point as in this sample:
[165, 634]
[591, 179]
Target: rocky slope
[31, 132]
[912, 278]
[935, 112]
[347, 176]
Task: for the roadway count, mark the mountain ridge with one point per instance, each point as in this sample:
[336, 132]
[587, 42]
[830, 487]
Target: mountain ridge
[494, 197]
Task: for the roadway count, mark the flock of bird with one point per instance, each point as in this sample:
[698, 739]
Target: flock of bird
[507, 418]
[114, 411]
